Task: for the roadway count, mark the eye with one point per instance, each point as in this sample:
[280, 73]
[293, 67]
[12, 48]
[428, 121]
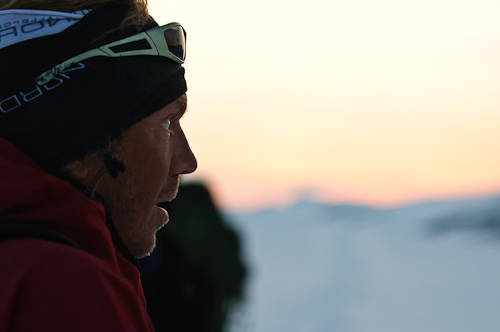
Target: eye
[166, 124]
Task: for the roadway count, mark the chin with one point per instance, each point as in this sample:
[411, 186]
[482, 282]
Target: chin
[143, 248]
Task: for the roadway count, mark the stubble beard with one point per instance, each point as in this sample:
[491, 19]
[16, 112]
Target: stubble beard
[138, 232]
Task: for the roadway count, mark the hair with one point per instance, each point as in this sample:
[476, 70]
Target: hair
[138, 14]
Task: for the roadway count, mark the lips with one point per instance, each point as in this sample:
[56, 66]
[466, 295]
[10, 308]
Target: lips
[163, 214]
[165, 200]
[167, 196]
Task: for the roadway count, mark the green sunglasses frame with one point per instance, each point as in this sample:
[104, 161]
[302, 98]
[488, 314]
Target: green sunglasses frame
[155, 37]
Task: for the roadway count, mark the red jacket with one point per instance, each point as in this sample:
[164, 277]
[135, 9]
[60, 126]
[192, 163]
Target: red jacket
[46, 286]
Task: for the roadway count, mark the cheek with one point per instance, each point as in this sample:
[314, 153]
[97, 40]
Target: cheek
[153, 162]
[147, 157]
[150, 151]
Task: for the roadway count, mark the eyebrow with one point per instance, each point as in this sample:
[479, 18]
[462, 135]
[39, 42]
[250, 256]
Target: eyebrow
[182, 105]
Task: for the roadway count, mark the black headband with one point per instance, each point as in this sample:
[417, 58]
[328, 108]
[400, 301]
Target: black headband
[89, 104]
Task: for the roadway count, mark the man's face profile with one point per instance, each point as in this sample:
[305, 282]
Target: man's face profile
[156, 153]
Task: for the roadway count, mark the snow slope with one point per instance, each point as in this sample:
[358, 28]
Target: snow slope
[320, 268]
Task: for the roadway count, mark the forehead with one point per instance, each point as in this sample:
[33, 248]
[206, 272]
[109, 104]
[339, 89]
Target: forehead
[177, 107]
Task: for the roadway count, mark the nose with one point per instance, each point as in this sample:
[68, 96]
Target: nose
[183, 161]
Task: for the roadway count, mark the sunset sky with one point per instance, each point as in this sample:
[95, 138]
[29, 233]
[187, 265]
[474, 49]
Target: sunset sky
[368, 102]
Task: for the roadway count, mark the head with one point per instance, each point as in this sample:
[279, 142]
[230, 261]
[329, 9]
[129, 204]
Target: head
[156, 153]
[134, 102]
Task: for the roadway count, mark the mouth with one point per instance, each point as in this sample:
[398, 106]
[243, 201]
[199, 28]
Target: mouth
[160, 206]
[163, 215]
[168, 194]
[163, 200]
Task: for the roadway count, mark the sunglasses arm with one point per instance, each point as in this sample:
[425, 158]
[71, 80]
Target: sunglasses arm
[51, 73]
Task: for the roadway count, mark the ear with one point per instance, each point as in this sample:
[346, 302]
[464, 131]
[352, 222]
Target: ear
[76, 170]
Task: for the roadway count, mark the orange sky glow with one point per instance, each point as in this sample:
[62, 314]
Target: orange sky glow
[365, 102]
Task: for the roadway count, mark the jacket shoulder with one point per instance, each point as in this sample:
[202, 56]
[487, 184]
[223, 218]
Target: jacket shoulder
[51, 286]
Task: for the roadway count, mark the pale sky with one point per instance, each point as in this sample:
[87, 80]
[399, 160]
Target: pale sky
[369, 102]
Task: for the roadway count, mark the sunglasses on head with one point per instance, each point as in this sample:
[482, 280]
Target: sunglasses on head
[168, 41]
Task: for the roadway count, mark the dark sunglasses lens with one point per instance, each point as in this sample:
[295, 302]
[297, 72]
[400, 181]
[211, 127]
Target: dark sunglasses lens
[176, 41]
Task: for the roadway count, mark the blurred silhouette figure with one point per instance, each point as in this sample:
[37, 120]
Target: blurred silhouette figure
[195, 276]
